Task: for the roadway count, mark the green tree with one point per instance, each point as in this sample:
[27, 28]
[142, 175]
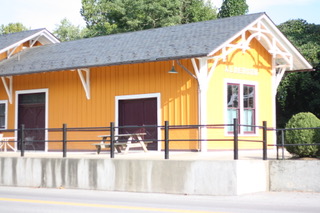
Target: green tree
[300, 91]
[197, 10]
[305, 36]
[105, 17]
[66, 31]
[233, 8]
[303, 136]
[12, 28]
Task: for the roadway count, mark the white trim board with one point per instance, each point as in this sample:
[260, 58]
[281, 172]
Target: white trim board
[46, 91]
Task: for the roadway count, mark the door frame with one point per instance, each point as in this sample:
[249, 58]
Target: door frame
[19, 92]
[140, 96]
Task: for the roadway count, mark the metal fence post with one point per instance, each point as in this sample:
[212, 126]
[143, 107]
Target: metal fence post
[64, 140]
[166, 140]
[112, 140]
[264, 123]
[22, 145]
[235, 139]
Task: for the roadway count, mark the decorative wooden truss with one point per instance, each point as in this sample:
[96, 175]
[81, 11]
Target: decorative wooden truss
[42, 36]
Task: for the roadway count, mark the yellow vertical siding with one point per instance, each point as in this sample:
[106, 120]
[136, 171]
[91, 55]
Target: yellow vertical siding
[68, 103]
[257, 57]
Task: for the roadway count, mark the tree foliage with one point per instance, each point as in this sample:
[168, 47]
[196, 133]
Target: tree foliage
[12, 28]
[66, 31]
[300, 91]
[105, 17]
[233, 8]
[305, 36]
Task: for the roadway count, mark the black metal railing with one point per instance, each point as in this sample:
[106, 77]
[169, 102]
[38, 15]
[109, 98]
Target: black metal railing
[281, 140]
[66, 137]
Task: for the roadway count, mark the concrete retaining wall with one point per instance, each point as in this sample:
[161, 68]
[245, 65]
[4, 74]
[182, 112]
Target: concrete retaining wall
[158, 176]
[162, 176]
[295, 175]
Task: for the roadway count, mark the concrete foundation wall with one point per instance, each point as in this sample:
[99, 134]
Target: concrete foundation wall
[295, 175]
[162, 176]
[158, 176]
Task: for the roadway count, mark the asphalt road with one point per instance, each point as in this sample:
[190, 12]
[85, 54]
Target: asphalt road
[65, 200]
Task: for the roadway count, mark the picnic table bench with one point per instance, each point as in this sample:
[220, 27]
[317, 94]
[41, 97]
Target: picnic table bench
[123, 141]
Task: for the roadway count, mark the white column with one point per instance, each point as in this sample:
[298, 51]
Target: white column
[203, 88]
[274, 96]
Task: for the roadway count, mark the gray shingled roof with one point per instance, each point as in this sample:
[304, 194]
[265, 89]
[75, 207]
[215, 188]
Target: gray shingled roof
[8, 39]
[176, 42]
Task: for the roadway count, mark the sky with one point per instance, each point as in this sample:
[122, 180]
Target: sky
[48, 14]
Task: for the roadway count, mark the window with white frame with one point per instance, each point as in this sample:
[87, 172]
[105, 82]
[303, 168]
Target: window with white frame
[241, 104]
[3, 114]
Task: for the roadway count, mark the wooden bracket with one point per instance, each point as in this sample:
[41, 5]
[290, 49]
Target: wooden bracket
[8, 86]
[85, 80]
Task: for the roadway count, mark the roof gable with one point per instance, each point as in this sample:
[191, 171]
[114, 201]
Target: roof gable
[12, 40]
[285, 55]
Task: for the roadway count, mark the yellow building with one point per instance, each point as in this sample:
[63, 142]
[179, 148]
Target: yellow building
[226, 68]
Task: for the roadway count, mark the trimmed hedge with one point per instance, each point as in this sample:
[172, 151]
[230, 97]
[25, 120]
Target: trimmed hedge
[306, 136]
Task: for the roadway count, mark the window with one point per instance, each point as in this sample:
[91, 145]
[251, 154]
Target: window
[241, 105]
[233, 104]
[3, 114]
[248, 108]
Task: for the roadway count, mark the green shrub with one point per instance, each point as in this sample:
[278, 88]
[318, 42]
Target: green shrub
[306, 136]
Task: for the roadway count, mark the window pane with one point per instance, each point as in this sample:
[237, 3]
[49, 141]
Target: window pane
[232, 113]
[233, 93]
[248, 96]
[2, 115]
[248, 118]
[34, 98]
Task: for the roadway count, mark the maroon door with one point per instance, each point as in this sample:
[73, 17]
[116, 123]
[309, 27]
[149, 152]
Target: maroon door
[31, 113]
[139, 112]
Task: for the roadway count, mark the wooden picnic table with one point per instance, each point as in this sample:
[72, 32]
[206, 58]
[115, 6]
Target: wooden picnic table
[123, 141]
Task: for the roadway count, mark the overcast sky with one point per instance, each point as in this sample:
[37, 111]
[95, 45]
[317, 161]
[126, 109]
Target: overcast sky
[48, 13]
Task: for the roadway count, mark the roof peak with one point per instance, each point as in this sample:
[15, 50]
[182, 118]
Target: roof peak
[25, 31]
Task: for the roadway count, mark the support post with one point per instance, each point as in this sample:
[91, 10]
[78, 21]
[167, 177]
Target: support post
[64, 140]
[235, 139]
[22, 144]
[166, 140]
[203, 84]
[282, 143]
[264, 123]
[112, 140]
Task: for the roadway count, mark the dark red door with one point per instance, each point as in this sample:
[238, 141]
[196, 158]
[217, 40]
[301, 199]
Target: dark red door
[31, 113]
[139, 112]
